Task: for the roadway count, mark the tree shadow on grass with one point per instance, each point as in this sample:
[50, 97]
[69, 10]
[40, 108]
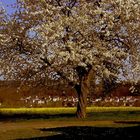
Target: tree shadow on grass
[14, 117]
[89, 133]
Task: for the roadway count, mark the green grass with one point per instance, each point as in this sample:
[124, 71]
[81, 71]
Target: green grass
[111, 109]
[45, 111]
[63, 110]
[101, 117]
[93, 113]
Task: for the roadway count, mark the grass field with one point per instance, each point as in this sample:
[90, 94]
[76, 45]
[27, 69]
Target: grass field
[63, 110]
[61, 123]
[93, 113]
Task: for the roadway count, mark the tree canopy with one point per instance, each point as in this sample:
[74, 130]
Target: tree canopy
[75, 40]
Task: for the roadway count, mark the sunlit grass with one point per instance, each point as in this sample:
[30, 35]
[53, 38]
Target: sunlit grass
[111, 109]
[62, 110]
[30, 111]
[27, 120]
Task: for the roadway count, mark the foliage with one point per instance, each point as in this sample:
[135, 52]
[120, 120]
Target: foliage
[68, 35]
[75, 40]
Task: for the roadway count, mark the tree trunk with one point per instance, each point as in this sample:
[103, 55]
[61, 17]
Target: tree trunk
[82, 91]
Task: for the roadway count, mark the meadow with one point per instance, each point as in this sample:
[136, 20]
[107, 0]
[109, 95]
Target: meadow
[61, 123]
[93, 113]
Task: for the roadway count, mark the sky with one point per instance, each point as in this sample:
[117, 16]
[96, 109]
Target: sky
[8, 9]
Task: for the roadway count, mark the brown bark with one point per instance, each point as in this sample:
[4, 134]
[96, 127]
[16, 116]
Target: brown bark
[82, 92]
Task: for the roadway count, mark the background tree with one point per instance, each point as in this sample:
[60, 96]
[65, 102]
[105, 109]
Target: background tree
[74, 40]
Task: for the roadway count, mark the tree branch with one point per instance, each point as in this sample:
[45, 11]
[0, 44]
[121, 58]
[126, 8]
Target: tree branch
[60, 73]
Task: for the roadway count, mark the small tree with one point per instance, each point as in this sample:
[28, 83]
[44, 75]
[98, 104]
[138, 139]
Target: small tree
[77, 39]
